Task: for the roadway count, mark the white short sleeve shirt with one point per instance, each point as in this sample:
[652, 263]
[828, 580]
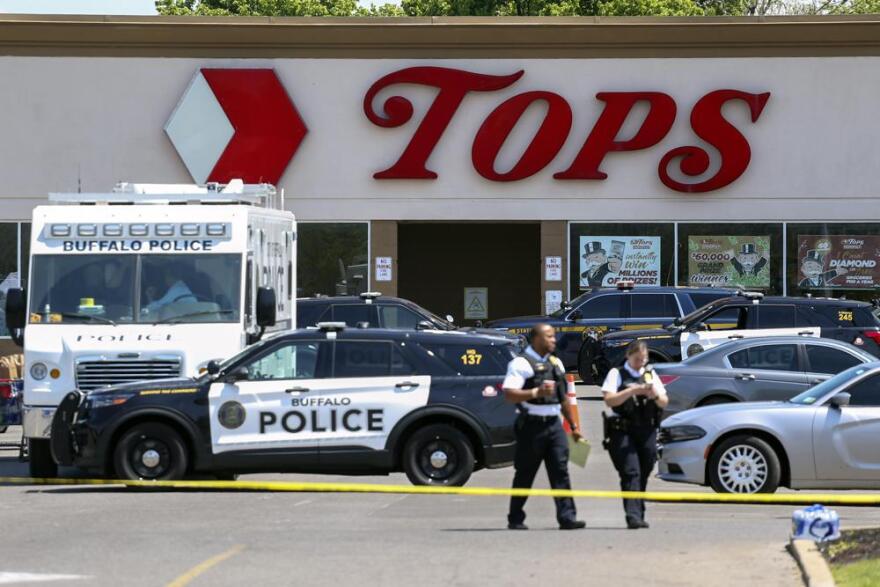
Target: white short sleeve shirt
[613, 380]
[518, 370]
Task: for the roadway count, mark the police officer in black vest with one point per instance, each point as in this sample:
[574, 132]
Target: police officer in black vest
[637, 398]
[536, 383]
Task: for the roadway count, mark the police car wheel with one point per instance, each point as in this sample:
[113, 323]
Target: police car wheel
[744, 464]
[438, 455]
[585, 366]
[150, 451]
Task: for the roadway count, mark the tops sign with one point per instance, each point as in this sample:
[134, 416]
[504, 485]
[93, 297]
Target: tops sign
[453, 85]
[241, 123]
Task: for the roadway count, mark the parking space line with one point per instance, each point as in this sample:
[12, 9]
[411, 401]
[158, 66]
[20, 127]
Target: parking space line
[10, 578]
[203, 566]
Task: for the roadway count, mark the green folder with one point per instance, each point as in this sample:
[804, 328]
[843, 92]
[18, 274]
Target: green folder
[578, 452]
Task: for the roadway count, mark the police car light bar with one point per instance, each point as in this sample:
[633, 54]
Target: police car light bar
[626, 284]
[369, 296]
[751, 295]
[331, 326]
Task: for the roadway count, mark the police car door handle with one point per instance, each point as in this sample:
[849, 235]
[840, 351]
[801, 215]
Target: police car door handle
[746, 377]
[408, 384]
[296, 390]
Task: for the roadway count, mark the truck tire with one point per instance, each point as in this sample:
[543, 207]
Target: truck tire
[40, 456]
[438, 455]
[151, 451]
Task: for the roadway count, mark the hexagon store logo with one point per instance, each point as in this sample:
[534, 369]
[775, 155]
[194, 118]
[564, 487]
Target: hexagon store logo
[236, 123]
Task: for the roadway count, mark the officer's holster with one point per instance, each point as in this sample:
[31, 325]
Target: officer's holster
[612, 424]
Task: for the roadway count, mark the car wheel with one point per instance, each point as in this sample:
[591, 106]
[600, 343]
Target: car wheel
[150, 451]
[715, 400]
[41, 463]
[744, 464]
[585, 366]
[438, 455]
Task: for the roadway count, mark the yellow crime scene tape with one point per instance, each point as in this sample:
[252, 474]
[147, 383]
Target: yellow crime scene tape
[855, 499]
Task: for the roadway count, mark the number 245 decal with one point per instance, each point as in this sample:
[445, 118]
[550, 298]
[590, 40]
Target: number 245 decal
[471, 357]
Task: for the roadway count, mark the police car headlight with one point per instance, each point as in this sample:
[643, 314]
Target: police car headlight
[39, 371]
[104, 400]
[681, 433]
[618, 342]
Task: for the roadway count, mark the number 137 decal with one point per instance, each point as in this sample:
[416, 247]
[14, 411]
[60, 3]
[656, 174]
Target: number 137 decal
[471, 357]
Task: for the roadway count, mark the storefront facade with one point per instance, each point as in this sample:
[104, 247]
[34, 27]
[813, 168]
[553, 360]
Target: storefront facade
[482, 168]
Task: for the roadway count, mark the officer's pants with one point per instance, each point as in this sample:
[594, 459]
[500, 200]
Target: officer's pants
[541, 440]
[634, 454]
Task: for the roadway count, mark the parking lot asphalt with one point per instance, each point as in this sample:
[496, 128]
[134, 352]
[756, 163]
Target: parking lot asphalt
[112, 536]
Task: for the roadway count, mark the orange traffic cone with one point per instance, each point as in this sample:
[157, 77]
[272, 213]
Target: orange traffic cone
[572, 402]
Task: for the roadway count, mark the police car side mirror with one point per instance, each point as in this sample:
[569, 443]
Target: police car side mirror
[266, 304]
[424, 325]
[213, 367]
[576, 315]
[839, 400]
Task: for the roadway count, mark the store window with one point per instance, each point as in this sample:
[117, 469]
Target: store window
[831, 259]
[731, 255]
[13, 262]
[332, 258]
[603, 254]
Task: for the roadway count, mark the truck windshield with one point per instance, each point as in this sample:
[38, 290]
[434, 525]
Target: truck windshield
[105, 289]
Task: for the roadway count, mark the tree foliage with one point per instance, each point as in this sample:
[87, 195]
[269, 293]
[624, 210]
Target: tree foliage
[515, 7]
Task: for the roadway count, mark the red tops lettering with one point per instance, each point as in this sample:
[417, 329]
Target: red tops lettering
[453, 85]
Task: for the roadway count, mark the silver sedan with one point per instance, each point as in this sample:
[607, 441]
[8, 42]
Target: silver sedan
[756, 369]
[826, 437]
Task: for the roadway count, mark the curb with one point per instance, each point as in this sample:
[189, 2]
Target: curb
[814, 568]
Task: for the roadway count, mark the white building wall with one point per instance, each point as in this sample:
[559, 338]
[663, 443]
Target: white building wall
[90, 122]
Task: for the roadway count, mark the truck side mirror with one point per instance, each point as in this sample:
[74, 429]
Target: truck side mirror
[16, 308]
[266, 304]
[839, 400]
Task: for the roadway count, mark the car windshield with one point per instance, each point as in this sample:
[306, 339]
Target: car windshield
[566, 306]
[114, 289]
[817, 392]
[697, 314]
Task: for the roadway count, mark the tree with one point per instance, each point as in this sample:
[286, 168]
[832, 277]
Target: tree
[516, 7]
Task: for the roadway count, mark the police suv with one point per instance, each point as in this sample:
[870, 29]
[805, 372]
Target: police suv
[591, 315]
[747, 314]
[328, 399]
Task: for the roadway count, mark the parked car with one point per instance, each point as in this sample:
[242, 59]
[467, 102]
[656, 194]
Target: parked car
[756, 369]
[747, 314]
[589, 316]
[824, 438]
[326, 399]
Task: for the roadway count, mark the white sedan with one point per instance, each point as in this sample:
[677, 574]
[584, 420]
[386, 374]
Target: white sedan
[826, 437]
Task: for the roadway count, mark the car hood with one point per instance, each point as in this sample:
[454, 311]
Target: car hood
[155, 384]
[519, 321]
[488, 332]
[634, 334]
[697, 415]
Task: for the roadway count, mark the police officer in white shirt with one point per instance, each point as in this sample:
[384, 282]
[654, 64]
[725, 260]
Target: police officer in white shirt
[536, 383]
[636, 397]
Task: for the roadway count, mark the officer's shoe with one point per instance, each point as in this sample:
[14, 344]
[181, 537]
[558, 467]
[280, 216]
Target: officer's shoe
[635, 523]
[572, 525]
[517, 526]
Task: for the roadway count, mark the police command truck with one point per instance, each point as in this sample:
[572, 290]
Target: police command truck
[146, 282]
[326, 399]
